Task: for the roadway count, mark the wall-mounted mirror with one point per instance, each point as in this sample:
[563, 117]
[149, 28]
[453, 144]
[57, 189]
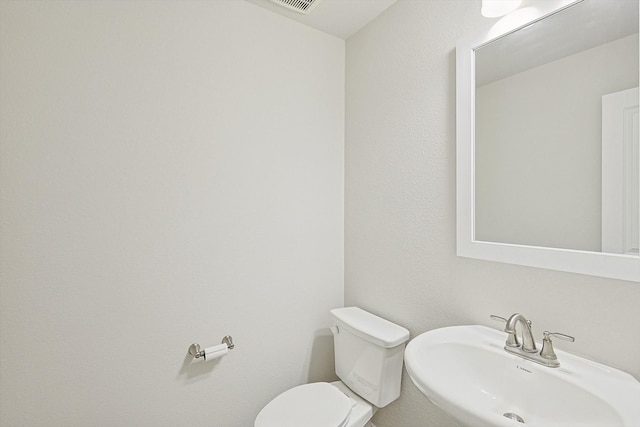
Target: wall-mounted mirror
[547, 139]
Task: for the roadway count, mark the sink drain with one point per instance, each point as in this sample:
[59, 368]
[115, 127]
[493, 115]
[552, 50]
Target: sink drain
[513, 416]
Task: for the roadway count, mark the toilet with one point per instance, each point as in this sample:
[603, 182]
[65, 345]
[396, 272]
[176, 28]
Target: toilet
[368, 353]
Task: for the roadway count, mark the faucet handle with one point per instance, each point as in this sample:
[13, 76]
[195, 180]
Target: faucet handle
[564, 337]
[512, 339]
[547, 351]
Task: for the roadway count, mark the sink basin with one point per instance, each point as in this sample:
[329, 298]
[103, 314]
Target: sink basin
[467, 373]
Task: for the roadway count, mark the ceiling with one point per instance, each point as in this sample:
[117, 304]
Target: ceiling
[342, 18]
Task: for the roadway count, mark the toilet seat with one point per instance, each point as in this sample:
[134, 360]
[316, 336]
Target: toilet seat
[309, 405]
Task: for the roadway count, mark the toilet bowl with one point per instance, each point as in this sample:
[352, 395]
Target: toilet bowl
[317, 405]
[369, 354]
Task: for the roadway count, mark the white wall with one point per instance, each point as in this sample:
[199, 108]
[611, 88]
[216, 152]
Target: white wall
[171, 172]
[541, 185]
[400, 259]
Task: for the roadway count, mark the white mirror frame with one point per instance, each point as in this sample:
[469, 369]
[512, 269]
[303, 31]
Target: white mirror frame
[615, 266]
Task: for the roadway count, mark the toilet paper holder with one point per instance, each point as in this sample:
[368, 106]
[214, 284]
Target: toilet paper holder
[195, 351]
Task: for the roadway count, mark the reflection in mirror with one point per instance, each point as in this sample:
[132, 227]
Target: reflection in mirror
[601, 241]
[556, 131]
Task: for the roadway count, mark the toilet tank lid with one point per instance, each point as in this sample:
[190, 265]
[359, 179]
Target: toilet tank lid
[371, 327]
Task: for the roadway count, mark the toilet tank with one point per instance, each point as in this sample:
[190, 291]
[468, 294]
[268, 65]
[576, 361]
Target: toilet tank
[369, 352]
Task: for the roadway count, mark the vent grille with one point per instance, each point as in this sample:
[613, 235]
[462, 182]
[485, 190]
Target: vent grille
[300, 6]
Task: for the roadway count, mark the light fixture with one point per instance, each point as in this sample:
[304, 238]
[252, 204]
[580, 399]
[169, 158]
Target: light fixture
[495, 8]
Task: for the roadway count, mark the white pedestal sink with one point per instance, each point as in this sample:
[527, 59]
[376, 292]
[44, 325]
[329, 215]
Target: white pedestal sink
[468, 374]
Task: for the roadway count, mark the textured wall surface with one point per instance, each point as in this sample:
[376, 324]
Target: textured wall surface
[171, 172]
[400, 259]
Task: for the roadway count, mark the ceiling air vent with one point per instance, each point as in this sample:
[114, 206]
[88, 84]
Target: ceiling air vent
[300, 6]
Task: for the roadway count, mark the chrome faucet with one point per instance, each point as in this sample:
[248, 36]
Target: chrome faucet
[525, 346]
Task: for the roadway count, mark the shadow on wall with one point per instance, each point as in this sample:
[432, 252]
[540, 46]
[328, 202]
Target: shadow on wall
[320, 366]
[192, 369]
[321, 360]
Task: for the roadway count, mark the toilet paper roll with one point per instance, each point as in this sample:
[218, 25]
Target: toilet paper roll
[215, 352]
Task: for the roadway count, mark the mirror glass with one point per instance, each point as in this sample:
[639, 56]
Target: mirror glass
[547, 138]
[556, 131]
